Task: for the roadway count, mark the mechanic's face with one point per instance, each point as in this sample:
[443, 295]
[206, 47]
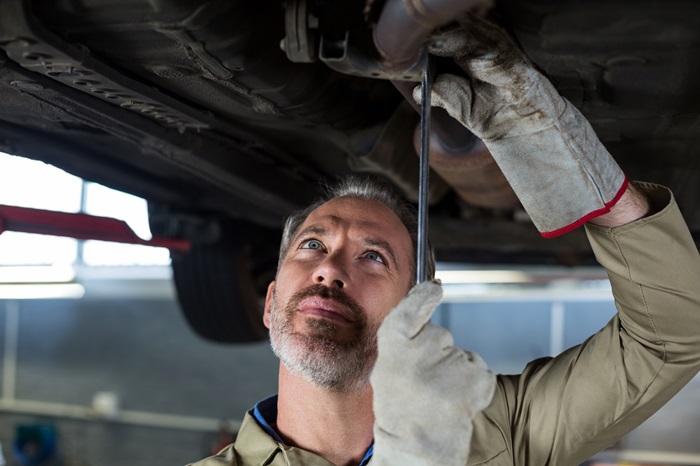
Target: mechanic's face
[347, 267]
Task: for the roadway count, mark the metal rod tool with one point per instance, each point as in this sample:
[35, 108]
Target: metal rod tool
[424, 170]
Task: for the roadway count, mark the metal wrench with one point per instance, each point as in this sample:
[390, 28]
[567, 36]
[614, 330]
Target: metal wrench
[424, 172]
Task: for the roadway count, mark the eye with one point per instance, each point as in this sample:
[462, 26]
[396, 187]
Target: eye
[375, 256]
[311, 244]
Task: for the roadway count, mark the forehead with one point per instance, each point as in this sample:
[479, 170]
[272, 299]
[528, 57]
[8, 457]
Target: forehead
[362, 217]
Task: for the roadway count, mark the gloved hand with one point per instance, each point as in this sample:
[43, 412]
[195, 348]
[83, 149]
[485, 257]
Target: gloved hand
[546, 149]
[426, 391]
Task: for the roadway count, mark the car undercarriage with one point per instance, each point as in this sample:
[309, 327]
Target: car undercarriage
[227, 115]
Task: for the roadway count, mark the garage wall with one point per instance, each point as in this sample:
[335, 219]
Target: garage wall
[143, 351]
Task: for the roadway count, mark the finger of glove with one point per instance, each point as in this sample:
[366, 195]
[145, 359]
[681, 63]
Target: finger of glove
[476, 37]
[444, 375]
[452, 93]
[414, 311]
[485, 52]
[434, 339]
[401, 359]
[481, 382]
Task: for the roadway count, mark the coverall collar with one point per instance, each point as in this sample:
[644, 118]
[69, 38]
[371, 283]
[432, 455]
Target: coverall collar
[265, 413]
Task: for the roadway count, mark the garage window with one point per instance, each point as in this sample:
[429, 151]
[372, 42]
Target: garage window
[29, 183]
[107, 202]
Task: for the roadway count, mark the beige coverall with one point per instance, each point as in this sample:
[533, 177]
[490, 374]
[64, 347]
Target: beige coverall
[561, 411]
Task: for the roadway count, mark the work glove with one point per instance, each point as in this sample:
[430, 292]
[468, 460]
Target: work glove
[426, 391]
[546, 149]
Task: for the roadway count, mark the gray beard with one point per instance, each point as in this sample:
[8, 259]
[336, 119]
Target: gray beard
[317, 357]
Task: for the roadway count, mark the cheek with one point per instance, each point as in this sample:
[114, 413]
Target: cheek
[382, 305]
[274, 307]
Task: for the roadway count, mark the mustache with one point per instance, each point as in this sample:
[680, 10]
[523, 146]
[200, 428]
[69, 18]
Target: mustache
[336, 294]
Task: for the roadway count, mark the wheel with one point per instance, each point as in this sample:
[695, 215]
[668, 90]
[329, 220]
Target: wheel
[221, 284]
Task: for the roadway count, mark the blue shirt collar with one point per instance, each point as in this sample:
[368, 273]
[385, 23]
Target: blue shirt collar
[265, 413]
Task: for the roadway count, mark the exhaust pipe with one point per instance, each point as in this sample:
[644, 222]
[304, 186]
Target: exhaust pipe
[404, 25]
[471, 172]
[458, 156]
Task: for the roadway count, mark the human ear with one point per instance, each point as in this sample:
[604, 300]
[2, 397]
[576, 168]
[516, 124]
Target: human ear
[268, 303]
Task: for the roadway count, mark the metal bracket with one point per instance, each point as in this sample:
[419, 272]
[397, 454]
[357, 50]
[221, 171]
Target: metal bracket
[347, 57]
[300, 43]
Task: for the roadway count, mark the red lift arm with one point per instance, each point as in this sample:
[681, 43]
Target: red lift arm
[79, 226]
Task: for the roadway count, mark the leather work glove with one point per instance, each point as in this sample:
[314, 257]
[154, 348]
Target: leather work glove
[546, 149]
[426, 391]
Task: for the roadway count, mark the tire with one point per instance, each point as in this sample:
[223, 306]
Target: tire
[221, 285]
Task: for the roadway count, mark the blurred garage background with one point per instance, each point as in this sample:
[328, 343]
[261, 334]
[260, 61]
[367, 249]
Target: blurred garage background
[100, 368]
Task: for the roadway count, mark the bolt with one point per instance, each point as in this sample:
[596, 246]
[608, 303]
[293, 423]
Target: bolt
[85, 82]
[27, 85]
[33, 56]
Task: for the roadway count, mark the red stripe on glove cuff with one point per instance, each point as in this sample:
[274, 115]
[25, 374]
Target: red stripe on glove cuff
[589, 216]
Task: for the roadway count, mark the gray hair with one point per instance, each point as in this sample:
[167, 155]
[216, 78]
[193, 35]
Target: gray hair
[367, 188]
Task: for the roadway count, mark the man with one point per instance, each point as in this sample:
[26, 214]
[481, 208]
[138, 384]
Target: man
[348, 260]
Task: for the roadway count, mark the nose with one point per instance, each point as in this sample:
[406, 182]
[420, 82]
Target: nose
[331, 273]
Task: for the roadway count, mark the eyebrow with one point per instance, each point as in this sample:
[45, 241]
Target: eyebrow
[321, 232]
[312, 229]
